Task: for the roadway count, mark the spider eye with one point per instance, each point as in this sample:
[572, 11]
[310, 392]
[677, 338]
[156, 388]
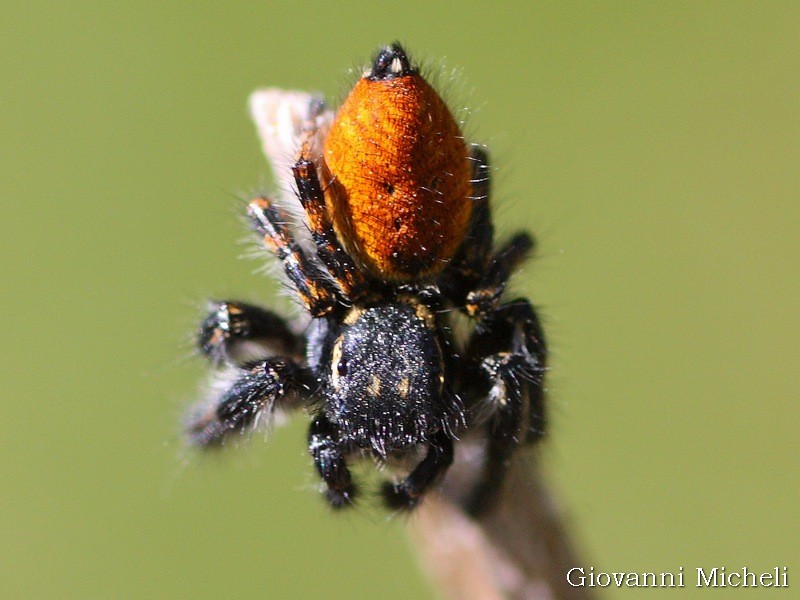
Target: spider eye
[341, 367]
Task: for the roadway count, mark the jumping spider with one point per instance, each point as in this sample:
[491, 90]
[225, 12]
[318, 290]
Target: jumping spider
[401, 237]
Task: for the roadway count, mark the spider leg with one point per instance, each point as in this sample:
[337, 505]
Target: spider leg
[476, 278]
[325, 447]
[468, 265]
[511, 343]
[256, 389]
[485, 297]
[407, 494]
[230, 325]
[312, 284]
[329, 249]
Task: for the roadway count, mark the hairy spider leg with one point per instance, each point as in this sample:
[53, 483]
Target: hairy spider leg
[476, 279]
[230, 325]
[469, 264]
[325, 447]
[510, 345]
[407, 494]
[256, 389]
[316, 290]
[330, 251]
[485, 297]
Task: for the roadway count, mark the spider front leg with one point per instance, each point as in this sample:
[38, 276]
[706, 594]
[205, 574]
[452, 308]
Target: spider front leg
[254, 391]
[407, 494]
[324, 445]
[329, 249]
[230, 326]
[313, 285]
[509, 343]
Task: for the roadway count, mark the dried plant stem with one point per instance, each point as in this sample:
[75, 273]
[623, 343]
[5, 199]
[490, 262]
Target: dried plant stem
[519, 551]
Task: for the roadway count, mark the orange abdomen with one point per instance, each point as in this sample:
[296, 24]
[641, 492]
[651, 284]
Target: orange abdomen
[397, 177]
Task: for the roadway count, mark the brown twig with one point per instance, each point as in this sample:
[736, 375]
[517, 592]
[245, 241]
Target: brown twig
[520, 550]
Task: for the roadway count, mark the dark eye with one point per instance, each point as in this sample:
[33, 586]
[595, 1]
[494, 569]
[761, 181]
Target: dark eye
[341, 367]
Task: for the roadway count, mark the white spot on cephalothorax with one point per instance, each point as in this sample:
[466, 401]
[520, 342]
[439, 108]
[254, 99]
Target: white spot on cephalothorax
[374, 387]
[423, 313]
[336, 357]
[397, 66]
[404, 387]
[354, 315]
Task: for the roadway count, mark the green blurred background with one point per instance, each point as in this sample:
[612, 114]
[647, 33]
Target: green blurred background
[653, 148]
